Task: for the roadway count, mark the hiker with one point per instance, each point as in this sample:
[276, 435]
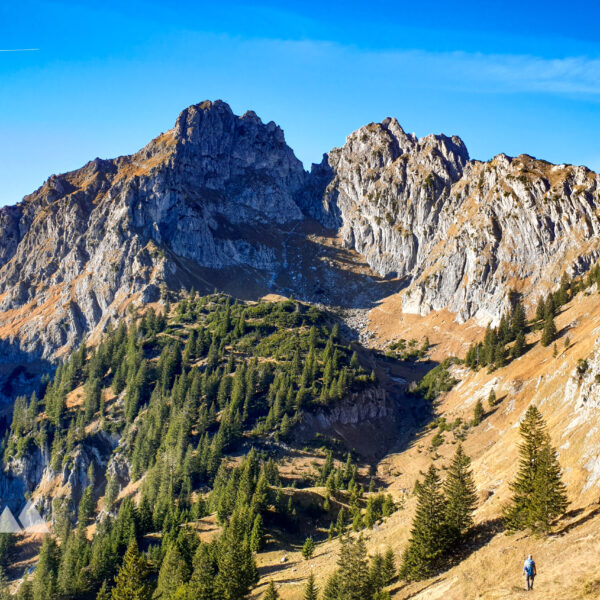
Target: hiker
[529, 571]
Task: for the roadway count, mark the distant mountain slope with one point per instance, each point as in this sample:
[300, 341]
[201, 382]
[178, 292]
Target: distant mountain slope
[221, 201]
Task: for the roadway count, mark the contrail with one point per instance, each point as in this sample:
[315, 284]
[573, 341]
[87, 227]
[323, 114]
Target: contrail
[20, 50]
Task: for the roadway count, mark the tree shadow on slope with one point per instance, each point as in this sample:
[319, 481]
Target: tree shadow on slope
[479, 536]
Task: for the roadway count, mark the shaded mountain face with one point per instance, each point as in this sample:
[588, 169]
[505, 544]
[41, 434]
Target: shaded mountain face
[221, 201]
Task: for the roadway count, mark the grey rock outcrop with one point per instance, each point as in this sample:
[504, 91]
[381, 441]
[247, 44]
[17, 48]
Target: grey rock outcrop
[74, 253]
[463, 233]
[221, 201]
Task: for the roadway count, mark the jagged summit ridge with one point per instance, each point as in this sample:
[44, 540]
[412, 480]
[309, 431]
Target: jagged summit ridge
[220, 197]
[462, 232]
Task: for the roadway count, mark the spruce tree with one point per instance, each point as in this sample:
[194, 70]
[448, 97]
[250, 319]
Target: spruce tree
[519, 320]
[44, 585]
[539, 495]
[519, 346]
[540, 310]
[308, 548]
[549, 498]
[492, 400]
[271, 593]
[376, 573]
[428, 540]
[549, 307]
[202, 583]
[461, 497]
[174, 572]
[257, 536]
[500, 355]
[103, 593]
[478, 412]
[353, 581]
[311, 591]
[237, 571]
[549, 331]
[341, 522]
[86, 505]
[389, 566]
[132, 581]
[331, 591]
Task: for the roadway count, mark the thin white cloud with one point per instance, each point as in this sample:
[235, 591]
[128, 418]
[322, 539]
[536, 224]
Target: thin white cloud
[498, 73]
[19, 50]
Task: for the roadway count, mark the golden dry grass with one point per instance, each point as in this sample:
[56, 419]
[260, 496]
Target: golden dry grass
[568, 560]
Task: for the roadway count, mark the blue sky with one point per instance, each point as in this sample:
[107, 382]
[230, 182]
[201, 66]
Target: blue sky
[506, 77]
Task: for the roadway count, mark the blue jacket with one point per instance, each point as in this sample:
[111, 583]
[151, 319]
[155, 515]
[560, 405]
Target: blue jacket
[529, 567]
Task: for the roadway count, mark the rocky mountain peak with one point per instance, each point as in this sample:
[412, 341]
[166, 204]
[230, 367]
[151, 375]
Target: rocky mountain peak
[220, 197]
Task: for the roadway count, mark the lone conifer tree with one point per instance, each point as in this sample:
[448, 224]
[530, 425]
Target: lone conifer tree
[308, 548]
[549, 331]
[549, 500]
[271, 593]
[478, 413]
[461, 497]
[539, 495]
[492, 400]
[428, 540]
[311, 591]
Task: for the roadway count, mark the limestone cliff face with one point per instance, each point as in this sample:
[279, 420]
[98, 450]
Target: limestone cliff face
[462, 233]
[222, 198]
[86, 243]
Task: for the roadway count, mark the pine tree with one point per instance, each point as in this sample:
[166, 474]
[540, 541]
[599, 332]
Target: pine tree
[389, 566]
[492, 400]
[549, 331]
[428, 540]
[174, 572]
[311, 591]
[478, 412]
[540, 310]
[257, 536]
[308, 548]
[132, 581]
[202, 583]
[353, 577]
[519, 346]
[461, 497]
[539, 495]
[271, 593]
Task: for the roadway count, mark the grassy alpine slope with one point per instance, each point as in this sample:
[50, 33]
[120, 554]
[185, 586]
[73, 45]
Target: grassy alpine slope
[212, 487]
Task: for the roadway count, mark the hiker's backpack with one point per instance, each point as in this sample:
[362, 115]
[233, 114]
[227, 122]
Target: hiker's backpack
[529, 567]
